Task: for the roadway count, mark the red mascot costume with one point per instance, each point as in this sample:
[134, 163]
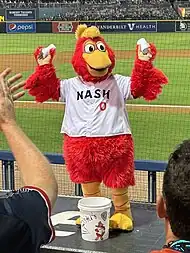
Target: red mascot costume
[98, 145]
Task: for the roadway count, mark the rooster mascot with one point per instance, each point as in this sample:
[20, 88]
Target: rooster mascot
[98, 145]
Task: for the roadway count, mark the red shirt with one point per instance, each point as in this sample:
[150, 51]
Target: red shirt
[164, 251]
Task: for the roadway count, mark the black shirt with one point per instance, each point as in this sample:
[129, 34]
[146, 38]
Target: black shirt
[25, 223]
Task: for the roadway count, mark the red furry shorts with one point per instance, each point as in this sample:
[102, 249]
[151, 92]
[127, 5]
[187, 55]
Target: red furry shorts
[100, 159]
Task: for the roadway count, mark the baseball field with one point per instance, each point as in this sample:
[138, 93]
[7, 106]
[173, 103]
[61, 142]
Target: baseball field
[157, 126]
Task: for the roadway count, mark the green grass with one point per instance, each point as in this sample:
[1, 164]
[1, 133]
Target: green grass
[177, 92]
[42, 126]
[25, 43]
[155, 134]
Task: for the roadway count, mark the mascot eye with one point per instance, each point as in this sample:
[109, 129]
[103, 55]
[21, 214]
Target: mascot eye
[101, 46]
[89, 48]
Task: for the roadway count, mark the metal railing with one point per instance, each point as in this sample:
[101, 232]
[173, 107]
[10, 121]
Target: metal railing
[151, 166]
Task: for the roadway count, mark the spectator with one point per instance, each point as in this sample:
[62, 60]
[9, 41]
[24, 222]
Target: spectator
[24, 214]
[174, 205]
[109, 10]
[74, 10]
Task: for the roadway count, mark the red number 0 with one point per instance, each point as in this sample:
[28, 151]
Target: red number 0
[102, 106]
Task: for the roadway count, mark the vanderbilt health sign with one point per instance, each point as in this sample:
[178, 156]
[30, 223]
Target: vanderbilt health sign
[143, 26]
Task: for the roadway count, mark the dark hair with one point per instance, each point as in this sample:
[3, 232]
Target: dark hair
[176, 190]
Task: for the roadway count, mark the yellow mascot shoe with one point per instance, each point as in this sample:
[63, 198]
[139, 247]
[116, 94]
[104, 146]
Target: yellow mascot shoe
[77, 222]
[121, 221]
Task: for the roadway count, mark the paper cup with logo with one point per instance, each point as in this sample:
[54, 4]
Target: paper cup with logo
[94, 215]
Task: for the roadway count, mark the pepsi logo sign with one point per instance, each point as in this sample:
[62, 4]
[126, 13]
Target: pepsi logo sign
[12, 26]
[20, 27]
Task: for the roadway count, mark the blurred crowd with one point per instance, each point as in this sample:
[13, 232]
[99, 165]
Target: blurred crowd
[116, 10]
[8, 4]
[98, 9]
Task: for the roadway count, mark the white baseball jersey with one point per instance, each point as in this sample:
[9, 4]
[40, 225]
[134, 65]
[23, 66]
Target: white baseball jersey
[95, 109]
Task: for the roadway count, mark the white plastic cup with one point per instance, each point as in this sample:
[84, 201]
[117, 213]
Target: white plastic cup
[94, 215]
[46, 50]
[144, 45]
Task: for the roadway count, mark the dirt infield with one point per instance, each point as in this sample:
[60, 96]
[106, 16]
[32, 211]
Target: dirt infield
[26, 62]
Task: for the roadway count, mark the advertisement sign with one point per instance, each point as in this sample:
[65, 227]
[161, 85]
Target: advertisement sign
[20, 27]
[64, 27]
[165, 26]
[143, 26]
[182, 26]
[19, 15]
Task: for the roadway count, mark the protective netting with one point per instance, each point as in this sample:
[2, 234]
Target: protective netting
[157, 126]
[137, 193]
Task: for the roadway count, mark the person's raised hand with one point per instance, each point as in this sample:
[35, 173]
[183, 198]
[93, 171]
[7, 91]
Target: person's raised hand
[8, 94]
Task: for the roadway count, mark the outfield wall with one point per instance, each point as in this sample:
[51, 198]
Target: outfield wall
[26, 21]
[30, 26]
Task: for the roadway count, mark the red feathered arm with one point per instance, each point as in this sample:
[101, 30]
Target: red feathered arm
[43, 84]
[146, 80]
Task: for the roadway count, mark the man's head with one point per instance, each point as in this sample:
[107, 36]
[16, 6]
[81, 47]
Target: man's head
[175, 203]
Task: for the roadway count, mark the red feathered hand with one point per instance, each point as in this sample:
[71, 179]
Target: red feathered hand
[43, 84]
[146, 80]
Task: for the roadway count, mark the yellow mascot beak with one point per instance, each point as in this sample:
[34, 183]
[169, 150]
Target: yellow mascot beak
[94, 53]
[98, 62]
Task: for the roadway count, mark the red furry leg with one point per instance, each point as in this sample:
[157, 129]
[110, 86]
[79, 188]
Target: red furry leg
[79, 160]
[91, 159]
[117, 167]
